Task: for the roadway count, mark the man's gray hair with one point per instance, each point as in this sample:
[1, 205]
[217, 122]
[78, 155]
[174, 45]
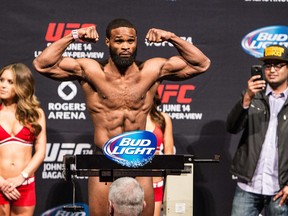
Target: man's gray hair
[127, 196]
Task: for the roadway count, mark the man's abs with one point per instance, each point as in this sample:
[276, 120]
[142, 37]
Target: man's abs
[104, 132]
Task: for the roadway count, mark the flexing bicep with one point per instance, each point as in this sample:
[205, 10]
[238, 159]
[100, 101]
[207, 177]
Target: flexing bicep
[64, 69]
[176, 68]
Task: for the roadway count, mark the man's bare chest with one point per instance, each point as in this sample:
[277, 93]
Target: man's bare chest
[129, 92]
[123, 93]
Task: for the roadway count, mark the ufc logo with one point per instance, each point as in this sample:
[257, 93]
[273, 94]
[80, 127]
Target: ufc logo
[56, 151]
[56, 31]
[177, 91]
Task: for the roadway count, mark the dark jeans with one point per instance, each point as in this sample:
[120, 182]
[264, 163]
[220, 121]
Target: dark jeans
[250, 204]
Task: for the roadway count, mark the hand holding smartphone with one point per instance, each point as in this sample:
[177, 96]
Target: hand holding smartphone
[257, 70]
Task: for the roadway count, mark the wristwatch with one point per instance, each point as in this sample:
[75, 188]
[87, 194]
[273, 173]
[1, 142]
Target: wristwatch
[25, 175]
[75, 34]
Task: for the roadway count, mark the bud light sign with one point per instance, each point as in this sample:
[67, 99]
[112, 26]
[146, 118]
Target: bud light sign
[256, 41]
[131, 149]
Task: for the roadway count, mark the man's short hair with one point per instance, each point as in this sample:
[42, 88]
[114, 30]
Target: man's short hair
[126, 196]
[117, 23]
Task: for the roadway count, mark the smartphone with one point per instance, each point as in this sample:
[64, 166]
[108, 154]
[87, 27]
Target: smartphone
[257, 70]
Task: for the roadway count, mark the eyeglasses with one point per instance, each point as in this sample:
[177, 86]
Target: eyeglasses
[277, 67]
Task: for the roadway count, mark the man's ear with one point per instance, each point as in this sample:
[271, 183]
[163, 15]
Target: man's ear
[144, 204]
[111, 208]
[107, 41]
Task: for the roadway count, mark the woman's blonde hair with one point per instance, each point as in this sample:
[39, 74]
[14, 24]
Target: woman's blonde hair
[26, 101]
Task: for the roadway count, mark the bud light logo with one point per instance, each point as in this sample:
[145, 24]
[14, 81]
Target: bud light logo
[131, 149]
[256, 41]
